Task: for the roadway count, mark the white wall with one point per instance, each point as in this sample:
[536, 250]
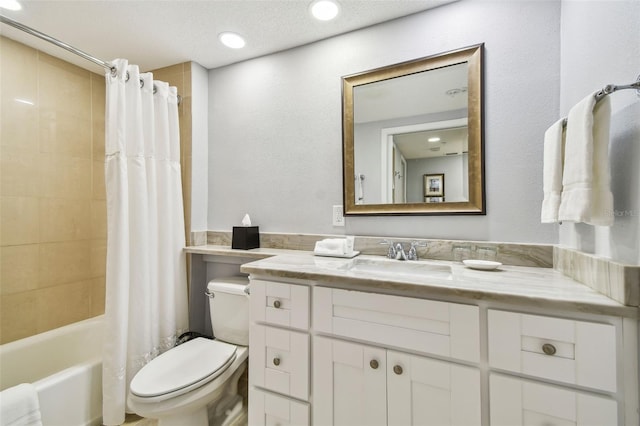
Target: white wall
[199, 147]
[600, 46]
[275, 142]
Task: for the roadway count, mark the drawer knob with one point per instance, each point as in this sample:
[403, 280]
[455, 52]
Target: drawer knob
[276, 361]
[374, 364]
[397, 369]
[548, 349]
[276, 304]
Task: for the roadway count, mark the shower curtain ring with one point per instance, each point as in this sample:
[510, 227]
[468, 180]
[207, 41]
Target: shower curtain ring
[127, 77]
[114, 71]
[141, 83]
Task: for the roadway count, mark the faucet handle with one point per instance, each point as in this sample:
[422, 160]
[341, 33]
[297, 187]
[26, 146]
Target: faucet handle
[413, 252]
[391, 251]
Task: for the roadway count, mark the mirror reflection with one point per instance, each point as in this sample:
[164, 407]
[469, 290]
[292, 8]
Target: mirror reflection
[412, 137]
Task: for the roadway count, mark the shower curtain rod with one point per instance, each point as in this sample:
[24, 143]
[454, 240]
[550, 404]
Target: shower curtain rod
[71, 49]
[58, 43]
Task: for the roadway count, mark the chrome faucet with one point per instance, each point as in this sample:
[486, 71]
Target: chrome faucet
[396, 250]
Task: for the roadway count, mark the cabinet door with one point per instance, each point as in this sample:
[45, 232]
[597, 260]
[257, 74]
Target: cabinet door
[348, 384]
[270, 410]
[279, 360]
[516, 402]
[424, 391]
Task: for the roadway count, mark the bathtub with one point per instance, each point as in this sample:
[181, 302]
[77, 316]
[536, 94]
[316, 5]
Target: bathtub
[65, 366]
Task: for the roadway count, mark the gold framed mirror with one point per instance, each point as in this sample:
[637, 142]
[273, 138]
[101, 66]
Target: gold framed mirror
[404, 122]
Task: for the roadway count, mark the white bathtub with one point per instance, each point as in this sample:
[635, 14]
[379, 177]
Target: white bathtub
[65, 366]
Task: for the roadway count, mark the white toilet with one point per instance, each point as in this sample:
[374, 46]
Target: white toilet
[181, 386]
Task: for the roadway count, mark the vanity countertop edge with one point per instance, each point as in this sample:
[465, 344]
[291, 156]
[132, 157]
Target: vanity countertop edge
[532, 287]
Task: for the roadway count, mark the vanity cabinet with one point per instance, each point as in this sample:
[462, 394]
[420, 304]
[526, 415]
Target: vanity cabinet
[324, 355]
[356, 384]
[279, 354]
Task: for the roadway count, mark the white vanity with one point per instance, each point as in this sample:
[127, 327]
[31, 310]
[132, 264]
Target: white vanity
[334, 345]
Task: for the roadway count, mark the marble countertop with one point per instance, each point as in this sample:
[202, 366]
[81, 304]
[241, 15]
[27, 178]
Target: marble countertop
[532, 287]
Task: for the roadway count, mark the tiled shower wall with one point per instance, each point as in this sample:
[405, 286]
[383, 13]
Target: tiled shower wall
[52, 196]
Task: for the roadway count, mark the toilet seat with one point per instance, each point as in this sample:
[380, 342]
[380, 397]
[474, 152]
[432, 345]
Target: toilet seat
[182, 369]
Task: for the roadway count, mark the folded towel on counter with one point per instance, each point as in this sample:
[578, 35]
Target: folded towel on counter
[19, 406]
[586, 193]
[337, 246]
[552, 171]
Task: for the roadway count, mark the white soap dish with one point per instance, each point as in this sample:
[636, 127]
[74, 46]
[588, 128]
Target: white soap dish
[485, 265]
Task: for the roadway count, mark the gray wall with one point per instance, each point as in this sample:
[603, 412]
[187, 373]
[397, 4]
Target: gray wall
[199, 148]
[275, 123]
[600, 46]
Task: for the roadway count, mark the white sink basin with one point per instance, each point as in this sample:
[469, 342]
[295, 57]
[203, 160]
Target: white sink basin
[388, 267]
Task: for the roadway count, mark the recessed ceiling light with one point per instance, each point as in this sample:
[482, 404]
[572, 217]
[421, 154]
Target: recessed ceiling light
[433, 140]
[232, 40]
[10, 5]
[324, 10]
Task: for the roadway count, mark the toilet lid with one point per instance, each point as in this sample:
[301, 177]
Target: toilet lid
[184, 367]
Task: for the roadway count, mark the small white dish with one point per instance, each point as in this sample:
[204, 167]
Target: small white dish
[485, 265]
[343, 256]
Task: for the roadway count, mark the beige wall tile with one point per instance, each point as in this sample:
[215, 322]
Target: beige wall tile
[98, 257]
[18, 268]
[18, 316]
[63, 304]
[19, 128]
[98, 219]
[19, 221]
[19, 82]
[64, 262]
[19, 172]
[63, 219]
[98, 190]
[65, 177]
[97, 296]
[51, 166]
[65, 108]
[19, 70]
[98, 100]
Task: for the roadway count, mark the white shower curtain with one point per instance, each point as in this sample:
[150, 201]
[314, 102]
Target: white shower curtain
[146, 294]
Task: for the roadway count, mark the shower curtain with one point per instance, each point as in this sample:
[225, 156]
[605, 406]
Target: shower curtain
[146, 290]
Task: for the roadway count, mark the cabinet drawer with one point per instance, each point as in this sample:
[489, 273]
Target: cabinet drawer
[279, 360]
[575, 352]
[281, 304]
[270, 410]
[440, 328]
[516, 402]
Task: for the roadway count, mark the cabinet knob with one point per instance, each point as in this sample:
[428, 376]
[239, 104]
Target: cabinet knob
[397, 369]
[374, 364]
[276, 361]
[276, 304]
[548, 349]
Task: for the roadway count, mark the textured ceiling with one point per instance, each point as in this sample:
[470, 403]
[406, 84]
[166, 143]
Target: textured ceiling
[155, 34]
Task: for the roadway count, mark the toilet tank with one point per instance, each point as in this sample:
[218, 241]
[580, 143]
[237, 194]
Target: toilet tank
[229, 309]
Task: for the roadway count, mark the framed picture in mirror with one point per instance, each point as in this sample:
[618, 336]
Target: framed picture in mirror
[434, 188]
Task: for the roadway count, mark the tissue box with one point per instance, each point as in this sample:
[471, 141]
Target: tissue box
[245, 237]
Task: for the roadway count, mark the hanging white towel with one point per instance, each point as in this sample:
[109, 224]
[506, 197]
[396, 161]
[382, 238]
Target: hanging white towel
[586, 193]
[552, 171]
[19, 406]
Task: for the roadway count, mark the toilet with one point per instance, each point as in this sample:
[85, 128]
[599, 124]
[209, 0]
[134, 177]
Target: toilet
[198, 380]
